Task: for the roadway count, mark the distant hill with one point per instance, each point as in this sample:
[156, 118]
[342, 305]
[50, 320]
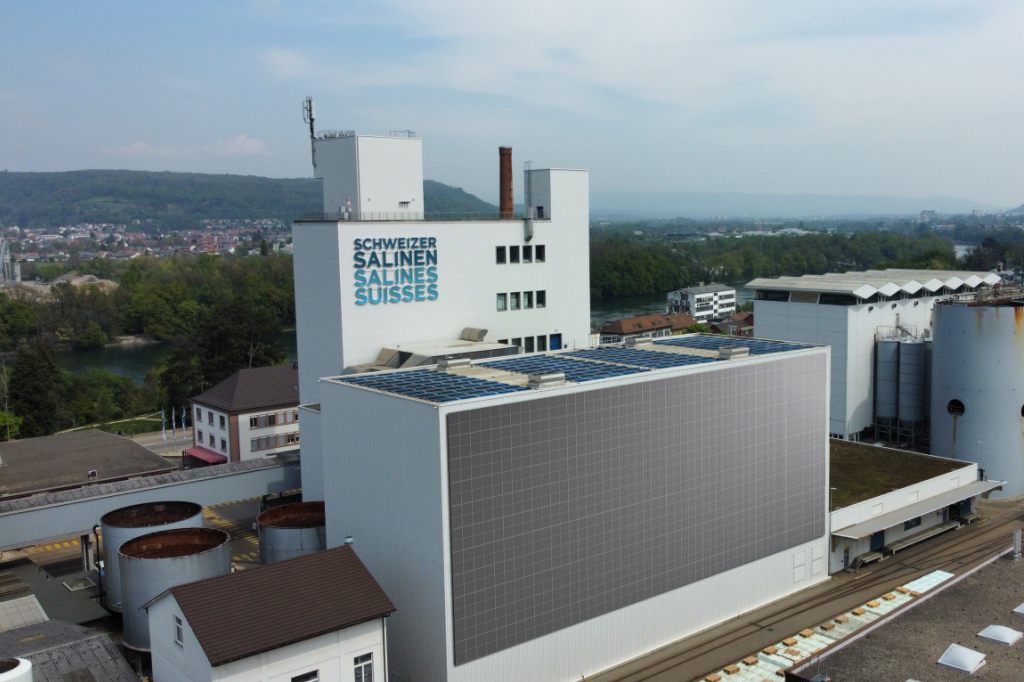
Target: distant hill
[178, 200]
[617, 205]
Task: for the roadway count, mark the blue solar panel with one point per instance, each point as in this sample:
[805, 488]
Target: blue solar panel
[756, 346]
[437, 387]
[641, 358]
[574, 370]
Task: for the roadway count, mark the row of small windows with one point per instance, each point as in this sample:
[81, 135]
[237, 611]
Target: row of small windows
[262, 421]
[271, 442]
[531, 344]
[209, 418]
[528, 253]
[522, 300]
[213, 441]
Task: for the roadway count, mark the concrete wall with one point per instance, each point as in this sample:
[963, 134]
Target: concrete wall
[378, 173]
[312, 453]
[331, 654]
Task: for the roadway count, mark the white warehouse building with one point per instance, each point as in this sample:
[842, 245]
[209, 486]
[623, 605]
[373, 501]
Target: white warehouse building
[849, 311]
[381, 285]
[557, 514]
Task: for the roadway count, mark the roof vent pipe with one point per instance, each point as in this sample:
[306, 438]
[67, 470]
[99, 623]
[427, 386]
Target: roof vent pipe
[505, 202]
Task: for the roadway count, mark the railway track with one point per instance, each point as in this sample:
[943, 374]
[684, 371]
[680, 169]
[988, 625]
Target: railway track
[691, 658]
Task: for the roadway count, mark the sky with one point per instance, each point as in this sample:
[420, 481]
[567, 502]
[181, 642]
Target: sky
[870, 97]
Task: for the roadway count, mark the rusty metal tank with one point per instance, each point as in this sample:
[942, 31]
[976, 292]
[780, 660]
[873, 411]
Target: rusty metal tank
[154, 563]
[126, 523]
[291, 530]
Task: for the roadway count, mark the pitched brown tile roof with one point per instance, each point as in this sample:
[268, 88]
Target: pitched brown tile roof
[650, 322]
[242, 614]
[254, 389]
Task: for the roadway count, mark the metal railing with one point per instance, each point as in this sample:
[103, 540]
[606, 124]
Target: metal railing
[395, 216]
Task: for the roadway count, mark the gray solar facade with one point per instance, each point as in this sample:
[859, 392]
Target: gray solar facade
[567, 507]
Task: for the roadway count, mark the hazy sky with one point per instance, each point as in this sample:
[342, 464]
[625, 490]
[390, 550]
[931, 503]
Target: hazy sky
[885, 97]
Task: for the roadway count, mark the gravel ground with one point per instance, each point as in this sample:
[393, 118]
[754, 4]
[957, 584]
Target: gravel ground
[909, 646]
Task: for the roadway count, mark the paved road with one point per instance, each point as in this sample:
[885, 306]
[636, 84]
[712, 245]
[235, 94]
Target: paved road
[171, 448]
[956, 551]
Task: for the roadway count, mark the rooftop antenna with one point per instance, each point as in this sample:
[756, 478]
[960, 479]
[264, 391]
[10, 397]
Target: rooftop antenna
[309, 116]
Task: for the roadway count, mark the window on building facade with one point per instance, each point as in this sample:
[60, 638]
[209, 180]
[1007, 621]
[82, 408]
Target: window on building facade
[311, 676]
[223, 445]
[199, 414]
[363, 668]
[517, 342]
[527, 254]
[499, 255]
[209, 417]
[527, 299]
[505, 341]
[199, 437]
[513, 254]
[539, 253]
[542, 343]
[514, 300]
[529, 344]
[912, 523]
[179, 632]
[502, 302]
[542, 298]
[223, 422]
[254, 422]
[213, 441]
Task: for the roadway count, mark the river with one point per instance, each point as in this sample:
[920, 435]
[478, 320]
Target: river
[135, 361]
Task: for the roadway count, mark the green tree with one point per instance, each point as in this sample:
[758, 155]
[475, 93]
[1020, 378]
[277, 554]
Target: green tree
[10, 426]
[35, 388]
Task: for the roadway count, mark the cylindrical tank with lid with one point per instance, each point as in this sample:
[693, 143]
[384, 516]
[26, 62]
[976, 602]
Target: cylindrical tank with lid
[126, 523]
[887, 378]
[291, 530]
[153, 563]
[15, 670]
[977, 401]
[911, 391]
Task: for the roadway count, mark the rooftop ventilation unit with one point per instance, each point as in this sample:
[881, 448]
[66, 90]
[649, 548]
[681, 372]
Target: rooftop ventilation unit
[546, 380]
[473, 334]
[639, 341]
[733, 352]
[1001, 634]
[448, 364]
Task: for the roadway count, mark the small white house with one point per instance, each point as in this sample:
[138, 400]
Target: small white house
[253, 413]
[317, 618]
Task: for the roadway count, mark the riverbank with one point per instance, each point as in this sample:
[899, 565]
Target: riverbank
[132, 341]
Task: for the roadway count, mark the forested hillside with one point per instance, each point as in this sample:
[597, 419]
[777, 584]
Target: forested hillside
[177, 200]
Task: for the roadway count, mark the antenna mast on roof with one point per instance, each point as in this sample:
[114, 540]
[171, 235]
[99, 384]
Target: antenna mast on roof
[309, 116]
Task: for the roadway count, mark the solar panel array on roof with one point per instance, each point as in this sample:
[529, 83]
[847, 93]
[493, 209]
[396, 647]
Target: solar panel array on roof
[756, 346]
[641, 358]
[437, 387]
[574, 370]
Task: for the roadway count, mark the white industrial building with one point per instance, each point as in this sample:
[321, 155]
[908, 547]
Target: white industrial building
[849, 311]
[977, 396]
[380, 285]
[557, 514]
[705, 302]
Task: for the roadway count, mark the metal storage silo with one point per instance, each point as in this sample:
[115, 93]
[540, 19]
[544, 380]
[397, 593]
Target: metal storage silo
[15, 670]
[290, 531]
[153, 563]
[122, 525]
[887, 364]
[977, 404]
[911, 389]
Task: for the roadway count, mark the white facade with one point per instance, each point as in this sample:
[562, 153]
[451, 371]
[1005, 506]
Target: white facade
[392, 497]
[333, 655]
[703, 303]
[861, 304]
[338, 326]
[977, 402]
[370, 176]
[211, 429]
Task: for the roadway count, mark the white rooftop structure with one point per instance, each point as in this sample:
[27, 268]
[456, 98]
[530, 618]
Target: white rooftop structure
[962, 658]
[847, 311]
[1001, 634]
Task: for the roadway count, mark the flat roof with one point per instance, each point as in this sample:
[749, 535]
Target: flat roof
[708, 288]
[62, 651]
[867, 283]
[511, 374]
[64, 460]
[909, 647]
[860, 471]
